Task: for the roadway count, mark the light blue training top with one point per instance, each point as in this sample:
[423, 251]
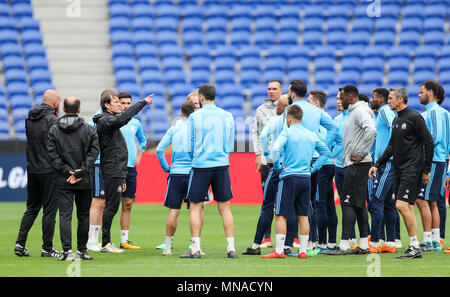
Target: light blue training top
[338, 151]
[293, 151]
[383, 124]
[438, 122]
[211, 136]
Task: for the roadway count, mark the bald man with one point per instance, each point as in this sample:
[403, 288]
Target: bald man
[41, 175]
[72, 148]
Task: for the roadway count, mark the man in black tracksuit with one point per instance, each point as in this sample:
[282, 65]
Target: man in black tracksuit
[40, 174]
[72, 148]
[411, 146]
[113, 156]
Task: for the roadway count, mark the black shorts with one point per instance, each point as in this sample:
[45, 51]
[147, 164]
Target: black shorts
[131, 181]
[177, 186]
[294, 192]
[406, 185]
[217, 177]
[355, 187]
[432, 191]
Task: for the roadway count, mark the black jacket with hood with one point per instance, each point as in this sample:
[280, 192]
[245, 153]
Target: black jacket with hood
[113, 148]
[40, 119]
[72, 145]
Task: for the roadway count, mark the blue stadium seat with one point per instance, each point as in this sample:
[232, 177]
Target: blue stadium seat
[359, 39]
[165, 24]
[191, 39]
[249, 78]
[409, 39]
[22, 10]
[182, 90]
[265, 11]
[224, 63]
[273, 74]
[275, 63]
[226, 51]
[15, 76]
[314, 11]
[312, 39]
[277, 51]
[421, 76]
[265, 24]
[187, 3]
[325, 77]
[337, 39]
[15, 89]
[351, 64]
[39, 89]
[399, 64]
[398, 78]
[168, 12]
[148, 63]
[250, 63]
[250, 51]
[142, 24]
[445, 51]
[426, 52]
[200, 63]
[444, 65]
[400, 52]
[348, 77]
[384, 39]
[336, 25]
[338, 12]
[200, 77]
[242, 12]
[143, 37]
[8, 23]
[412, 24]
[215, 39]
[125, 76]
[171, 51]
[166, 38]
[288, 25]
[151, 77]
[30, 37]
[132, 88]
[224, 77]
[192, 12]
[11, 50]
[121, 38]
[444, 78]
[8, 37]
[287, 38]
[240, 24]
[122, 51]
[372, 77]
[432, 25]
[375, 52]
[11, 63]
[298, 64]
[324, 63]
[119, 10]
[240, 38]
[362, 25]
[351, 51]
[174, 77]
[390, 11]
[313, 24]
[413, 11]
[385, 25]
[434, 38]
[172, 63]
[288, 13]
[39, 76]
[141, 10]
[264, 39]
[146, 50]
[424, 64]
[217, 24]
[5, 10]
[437, 11]
[119, 24]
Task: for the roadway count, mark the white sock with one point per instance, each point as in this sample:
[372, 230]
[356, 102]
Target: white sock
[374, 244]
[413, 241]
[230, 244]
[195, 244]
[344, 245]
[331, 245]
[303, 243]
[426, 236]
[309, 245]
[123, 236]
[322, 246]
[169, 241]
[94, 231]
[255, 246]
[390, 243]
[435, 235]
[280, 238]
[364, 243]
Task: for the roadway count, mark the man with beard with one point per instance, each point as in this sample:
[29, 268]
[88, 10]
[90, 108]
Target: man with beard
[437, 120]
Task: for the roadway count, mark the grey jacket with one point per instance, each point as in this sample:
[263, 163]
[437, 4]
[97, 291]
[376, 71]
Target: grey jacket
[359, 133]
[263, 114]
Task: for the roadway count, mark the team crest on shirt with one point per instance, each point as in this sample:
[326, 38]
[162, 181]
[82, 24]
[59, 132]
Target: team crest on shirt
[119, 189]
[404, 126]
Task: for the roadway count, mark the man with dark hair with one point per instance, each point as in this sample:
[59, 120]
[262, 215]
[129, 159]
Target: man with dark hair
[381, 206]
[72, 149]
[411, 147]
[358, 139]
[40, 175]
[210, 142]
[263, 114]
[132, 131]
[314, 117]
[326, 211]
[292, 155]
[438, 122]
[179, 169]
[113, 156]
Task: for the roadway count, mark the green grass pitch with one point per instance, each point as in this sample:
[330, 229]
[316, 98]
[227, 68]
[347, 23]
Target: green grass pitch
[148, 229]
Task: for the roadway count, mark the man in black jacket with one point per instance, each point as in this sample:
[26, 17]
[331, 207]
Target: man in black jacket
[73, 148]
[113, 156]
[40, 175]
[411, 147]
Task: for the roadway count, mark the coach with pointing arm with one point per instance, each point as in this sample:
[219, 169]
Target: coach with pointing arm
[113, 156]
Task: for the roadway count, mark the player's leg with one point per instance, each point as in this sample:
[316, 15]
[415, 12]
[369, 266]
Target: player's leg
[267, 242]
[331, 211]
[114, 189]
[33, 206]
[65, 200]
[434, 194]
[221, 188]
[96, 210]
[83, 203]
[127, 204]
[49, 210]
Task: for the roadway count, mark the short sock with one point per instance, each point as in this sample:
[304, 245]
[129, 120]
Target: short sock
[280, 239]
